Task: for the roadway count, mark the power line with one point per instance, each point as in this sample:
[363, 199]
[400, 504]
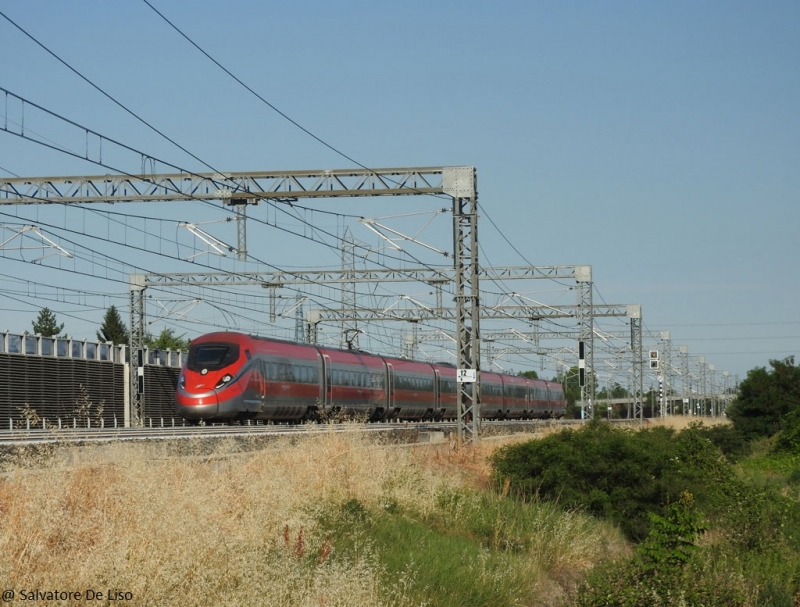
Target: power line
[295, 123]
[129, 148]
[105, 94]
[249, 89]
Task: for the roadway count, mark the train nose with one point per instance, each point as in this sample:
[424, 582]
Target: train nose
[197, 406]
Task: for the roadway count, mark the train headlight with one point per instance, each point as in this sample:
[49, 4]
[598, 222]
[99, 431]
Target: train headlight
[225, 379]
[182, 381]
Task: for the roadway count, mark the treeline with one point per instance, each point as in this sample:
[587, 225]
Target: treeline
[113, 329]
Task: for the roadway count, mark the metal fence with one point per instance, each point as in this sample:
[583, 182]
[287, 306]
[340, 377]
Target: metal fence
[53, 382]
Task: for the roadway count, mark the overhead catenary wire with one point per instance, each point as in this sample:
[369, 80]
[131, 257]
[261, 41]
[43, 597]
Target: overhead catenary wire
[292, 121]
[150, 126]
[102, 92]
[118, 103]
[198, 199]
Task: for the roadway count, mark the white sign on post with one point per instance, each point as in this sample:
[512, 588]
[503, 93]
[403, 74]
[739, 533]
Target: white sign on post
[466, 376]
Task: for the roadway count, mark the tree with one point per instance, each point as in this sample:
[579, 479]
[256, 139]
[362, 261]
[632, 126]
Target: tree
[529, 374]
[113, 329]
[45, 324]
[572, 390]
[167, 340]
[765, 398]
[612, 391]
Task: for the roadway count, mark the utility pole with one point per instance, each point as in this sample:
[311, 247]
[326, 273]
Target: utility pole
[637, 392]
[665, 373]
[349, 335]
[461, 184]
[136, 347]
[583, 277]
[683, 353]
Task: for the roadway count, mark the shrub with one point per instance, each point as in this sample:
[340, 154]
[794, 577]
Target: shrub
[615, 473]
[728, 438]
[788, 439]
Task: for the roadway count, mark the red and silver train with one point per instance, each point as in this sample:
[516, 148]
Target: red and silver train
[232, 376]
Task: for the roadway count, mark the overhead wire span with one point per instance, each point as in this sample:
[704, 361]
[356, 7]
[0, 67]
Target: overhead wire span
[259, 97]
[161, 133]
[121, 172]
[104, 93]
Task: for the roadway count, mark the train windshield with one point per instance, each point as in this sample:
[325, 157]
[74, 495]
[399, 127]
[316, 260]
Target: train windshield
[212, 356]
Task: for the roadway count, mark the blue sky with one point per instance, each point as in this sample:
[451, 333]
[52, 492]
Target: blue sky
[656, 142]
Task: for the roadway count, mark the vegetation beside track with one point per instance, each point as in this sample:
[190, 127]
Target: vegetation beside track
[333, 519]
[600, 515]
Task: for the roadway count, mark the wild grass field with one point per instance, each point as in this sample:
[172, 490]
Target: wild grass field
[337, 519]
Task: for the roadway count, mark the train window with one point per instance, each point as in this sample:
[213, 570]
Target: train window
[212, 356]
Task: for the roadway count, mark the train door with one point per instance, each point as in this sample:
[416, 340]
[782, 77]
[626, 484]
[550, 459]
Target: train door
[528, 398]
[327, 399]
[255, 392]
[438, 410]
[390, 404]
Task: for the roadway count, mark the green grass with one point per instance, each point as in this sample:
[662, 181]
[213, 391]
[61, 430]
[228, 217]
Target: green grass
[476, 548]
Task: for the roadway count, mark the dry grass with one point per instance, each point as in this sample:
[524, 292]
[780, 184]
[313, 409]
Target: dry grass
[208, 531]
[225, 530]
[681, 422]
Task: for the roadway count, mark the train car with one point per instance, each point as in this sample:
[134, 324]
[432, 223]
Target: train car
[446, 405]
[355, 383]
[540, 398]
[492, 403]
[232, 376]
[516, 403]
[412, 389]
[556, 400]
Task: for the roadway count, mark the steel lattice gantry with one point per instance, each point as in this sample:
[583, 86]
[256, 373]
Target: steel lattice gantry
[231, 188]
[242, 188]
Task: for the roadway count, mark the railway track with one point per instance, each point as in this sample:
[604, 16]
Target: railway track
[424, 432]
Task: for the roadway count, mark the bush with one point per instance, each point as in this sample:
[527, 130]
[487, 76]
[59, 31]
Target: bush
[617, 473]
[788, 439]
[728, 438]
